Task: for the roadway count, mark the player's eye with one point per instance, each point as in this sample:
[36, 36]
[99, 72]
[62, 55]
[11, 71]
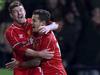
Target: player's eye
[14, 11]
[33, 26]
[34, 20]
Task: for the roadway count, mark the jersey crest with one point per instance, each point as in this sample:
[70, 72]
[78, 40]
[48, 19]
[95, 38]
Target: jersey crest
[21, 36]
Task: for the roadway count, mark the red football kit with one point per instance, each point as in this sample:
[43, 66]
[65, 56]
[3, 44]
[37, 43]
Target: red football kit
[18, 37]
[53, 66]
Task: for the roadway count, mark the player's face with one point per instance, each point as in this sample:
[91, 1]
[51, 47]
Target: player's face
[36, 23]
[18, 14]
[96, 12]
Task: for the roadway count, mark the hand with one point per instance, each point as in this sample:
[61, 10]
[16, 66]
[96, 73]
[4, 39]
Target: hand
[13, 64]
[46, 54]
[44, 29]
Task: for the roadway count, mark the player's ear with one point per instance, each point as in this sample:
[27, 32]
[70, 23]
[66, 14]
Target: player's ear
[44, 22]
[11, 15]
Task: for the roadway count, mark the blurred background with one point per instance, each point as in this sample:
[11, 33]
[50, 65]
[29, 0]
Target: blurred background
[78, 33]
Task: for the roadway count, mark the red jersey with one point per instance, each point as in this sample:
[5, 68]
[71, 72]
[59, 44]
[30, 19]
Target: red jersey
[53, 66]
[18, 37]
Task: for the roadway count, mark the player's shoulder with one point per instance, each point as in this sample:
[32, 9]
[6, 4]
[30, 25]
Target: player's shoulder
[9, 28]
[49, 35]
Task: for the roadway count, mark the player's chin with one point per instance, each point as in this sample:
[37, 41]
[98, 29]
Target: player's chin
[35, 30]
[21, 20]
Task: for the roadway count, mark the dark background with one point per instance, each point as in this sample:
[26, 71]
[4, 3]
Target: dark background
[78, 35]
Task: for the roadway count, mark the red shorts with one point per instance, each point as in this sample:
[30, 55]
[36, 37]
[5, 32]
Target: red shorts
[29, 71]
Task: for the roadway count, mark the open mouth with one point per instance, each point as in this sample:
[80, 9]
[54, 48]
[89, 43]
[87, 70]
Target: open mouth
[20, 17]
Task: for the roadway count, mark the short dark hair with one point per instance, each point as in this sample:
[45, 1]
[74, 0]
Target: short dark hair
[14, 4]
[44, 15]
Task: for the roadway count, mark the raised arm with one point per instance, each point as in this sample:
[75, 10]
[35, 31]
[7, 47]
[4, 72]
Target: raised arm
[46, 29]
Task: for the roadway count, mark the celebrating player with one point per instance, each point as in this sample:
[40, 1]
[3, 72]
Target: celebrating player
[52, 66]
[19, 34]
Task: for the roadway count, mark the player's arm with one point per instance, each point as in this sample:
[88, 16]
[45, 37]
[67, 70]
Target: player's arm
[46, 54]
[27, 64]
[46, 29]
[31, 63]
[22, 50]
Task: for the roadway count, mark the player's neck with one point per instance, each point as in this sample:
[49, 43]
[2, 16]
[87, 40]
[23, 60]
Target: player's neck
[20, 24]
[36, 34]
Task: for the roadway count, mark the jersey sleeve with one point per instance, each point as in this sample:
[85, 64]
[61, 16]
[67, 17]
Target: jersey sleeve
[54, 44]
[50, 42]
[15, 44]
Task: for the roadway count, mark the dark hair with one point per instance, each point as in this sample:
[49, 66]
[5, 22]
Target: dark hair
[44, 15]
[14, 4]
